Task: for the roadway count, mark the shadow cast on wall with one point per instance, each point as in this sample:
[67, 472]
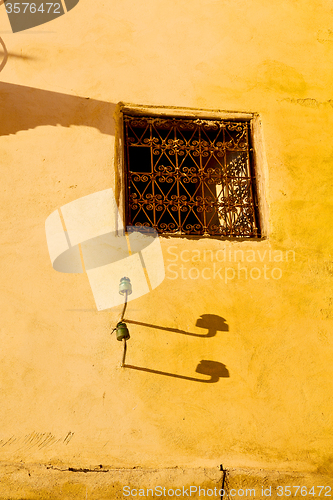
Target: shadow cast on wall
[214, 369]
[211, 322]
[24, 108]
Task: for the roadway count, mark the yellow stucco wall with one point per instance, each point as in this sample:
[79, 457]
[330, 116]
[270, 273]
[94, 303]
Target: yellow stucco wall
[60, 369]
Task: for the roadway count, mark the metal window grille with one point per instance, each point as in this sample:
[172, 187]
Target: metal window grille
[190, 176]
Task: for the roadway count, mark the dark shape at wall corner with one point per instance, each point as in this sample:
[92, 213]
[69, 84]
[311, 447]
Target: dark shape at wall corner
[70, 4]
[23, 16]
[24, 108]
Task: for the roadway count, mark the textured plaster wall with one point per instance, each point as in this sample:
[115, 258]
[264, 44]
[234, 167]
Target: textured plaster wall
[64, 398]
[37, 482]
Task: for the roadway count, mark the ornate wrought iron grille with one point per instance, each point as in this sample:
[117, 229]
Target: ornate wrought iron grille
[190, 176]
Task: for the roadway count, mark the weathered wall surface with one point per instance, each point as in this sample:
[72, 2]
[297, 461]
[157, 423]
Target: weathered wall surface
[64, 397]
[37, 482]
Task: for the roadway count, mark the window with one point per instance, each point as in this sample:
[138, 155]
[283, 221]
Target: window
[190, 175]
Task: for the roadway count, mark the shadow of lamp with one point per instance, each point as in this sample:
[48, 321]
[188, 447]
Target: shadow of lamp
[213, 369]
[212, 323]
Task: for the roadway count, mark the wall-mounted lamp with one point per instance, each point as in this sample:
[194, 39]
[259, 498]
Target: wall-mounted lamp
[122, 333]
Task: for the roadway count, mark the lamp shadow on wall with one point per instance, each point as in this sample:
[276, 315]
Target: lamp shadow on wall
[211, 322]
[214, 369]
[24, 108]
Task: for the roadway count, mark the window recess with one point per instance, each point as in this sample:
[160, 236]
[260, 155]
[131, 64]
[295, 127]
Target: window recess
[191, 176]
